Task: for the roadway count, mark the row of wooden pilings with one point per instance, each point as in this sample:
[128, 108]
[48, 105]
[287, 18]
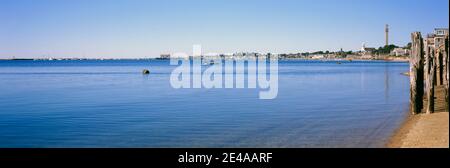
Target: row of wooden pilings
[429, 68]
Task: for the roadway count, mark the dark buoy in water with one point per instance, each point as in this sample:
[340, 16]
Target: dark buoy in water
[145, 72]
[338, 62]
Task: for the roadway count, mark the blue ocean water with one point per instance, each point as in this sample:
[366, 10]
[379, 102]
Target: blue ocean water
[110, 103]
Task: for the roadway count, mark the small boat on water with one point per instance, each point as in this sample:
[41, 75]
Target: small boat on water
[209, 63]
[145, 72]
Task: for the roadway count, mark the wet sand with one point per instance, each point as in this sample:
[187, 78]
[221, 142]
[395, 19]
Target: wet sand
[424, 130]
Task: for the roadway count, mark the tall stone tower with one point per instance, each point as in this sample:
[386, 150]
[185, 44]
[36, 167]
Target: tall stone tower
[387, 34]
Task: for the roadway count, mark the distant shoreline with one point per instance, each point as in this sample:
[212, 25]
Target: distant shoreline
[112, 59]
[76, 59]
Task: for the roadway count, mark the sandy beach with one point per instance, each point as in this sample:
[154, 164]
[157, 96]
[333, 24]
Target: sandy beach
[424, 130]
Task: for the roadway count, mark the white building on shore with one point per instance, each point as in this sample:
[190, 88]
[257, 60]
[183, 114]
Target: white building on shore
[400, 52]
[366, 50]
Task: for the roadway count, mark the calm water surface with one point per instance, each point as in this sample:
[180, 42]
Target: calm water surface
[111, 104]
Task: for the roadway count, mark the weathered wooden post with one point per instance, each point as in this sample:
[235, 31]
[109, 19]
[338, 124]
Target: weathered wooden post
[444, 61]
[430, 66]
[439, 67]
[447, 69]
[427, 60]
[416, 73]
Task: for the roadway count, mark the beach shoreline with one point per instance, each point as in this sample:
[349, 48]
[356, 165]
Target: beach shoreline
[424, 130]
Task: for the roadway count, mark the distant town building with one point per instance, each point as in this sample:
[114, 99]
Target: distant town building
[211, 55]
[318, 56]
[197, 50]
[400, 52]
[366, 50]
[164, 56]
[441, 31]
[437, 38]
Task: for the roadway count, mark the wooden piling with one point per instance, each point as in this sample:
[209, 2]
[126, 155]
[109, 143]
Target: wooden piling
[430, 71]
[427, 57]
[416, 73]
[439, 67]
[447, 69]
[444, 64]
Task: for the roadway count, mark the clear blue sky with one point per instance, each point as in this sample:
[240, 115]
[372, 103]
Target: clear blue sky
[146, 28]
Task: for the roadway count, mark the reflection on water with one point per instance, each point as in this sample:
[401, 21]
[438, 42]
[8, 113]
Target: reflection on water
[110, 104]
[386, 81]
